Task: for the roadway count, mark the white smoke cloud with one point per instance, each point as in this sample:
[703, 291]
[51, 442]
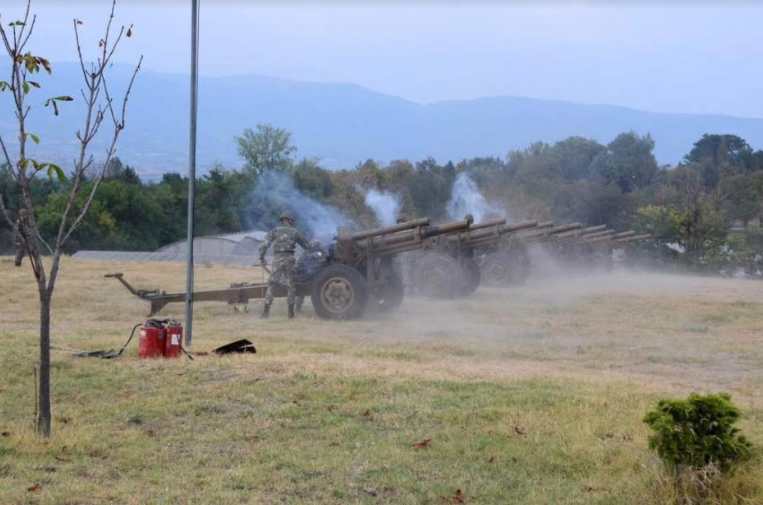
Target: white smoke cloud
[466, 198]
[385, 205]
[275, 192]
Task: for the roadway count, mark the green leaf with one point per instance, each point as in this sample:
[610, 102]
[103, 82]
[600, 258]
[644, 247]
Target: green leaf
[52, 167]
[26, 87]
[64, 98]
[33, 83]
[34, 138]
[52, 101]
[3, 85]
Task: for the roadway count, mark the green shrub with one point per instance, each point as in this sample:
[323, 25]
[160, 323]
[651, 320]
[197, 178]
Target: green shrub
[698, 432]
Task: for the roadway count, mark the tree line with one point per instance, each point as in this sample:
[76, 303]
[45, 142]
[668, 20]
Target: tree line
[706, 212]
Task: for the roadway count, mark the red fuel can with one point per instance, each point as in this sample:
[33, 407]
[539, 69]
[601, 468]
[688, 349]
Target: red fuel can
[153, 336]
[174, 340]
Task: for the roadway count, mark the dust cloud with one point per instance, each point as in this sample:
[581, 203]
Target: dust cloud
[660, 329]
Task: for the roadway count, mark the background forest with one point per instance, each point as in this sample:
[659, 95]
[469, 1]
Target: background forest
[704, 214]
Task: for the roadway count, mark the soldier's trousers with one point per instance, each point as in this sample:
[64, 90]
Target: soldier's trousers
[19, 256]
[284, 273]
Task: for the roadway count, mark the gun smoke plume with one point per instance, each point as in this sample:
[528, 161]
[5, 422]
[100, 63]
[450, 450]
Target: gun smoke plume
[275, 192]
[385, 205]
[466, 198]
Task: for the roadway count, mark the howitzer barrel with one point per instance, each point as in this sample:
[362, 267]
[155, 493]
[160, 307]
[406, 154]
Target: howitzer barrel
[487, 224]
[466, 235]
[386, 230]
[522, 225]
[410, 238]
[601, 234]
[619, 238]
[541, 234]
[486, 235]
[590, 237]
[634, 238]
[480, 239]
[565, 228]
[539, 231]
[581, 232]
[442, 229]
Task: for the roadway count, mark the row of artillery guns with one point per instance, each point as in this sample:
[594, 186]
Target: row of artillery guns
[497, 254]
[361, 271]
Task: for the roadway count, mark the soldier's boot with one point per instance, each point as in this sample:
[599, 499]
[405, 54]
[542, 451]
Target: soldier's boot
[291, 311]
[265, 311]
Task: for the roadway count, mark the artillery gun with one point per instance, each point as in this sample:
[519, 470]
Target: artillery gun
[509, 264]
[601, 249]
[354, 272]
[455, 256]
[594, 249]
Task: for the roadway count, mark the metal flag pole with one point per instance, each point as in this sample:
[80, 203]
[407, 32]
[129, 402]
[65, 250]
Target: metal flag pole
[192, 168]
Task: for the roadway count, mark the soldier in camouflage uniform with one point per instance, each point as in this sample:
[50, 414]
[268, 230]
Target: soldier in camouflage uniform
[20, 237]
[283, 238]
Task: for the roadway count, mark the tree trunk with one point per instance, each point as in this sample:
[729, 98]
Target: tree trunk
[43, 398]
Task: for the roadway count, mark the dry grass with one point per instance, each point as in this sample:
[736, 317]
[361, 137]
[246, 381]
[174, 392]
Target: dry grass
[528, 396]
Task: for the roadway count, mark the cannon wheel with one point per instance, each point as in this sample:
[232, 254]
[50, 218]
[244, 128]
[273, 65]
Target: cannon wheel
[523, 265]
[391, 295]
[339, 292]
[470, 277]
[437, 275]
[496, 269]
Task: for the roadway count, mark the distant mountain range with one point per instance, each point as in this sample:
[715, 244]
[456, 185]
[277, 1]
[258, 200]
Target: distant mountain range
[342, 124]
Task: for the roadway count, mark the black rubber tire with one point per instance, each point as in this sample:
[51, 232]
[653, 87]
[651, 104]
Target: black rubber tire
[496, 269]
[437, 275]
[391, 296]
[521, 266]
[470, 277]
[343, 285]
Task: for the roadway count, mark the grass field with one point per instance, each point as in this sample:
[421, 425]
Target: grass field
[532, 395]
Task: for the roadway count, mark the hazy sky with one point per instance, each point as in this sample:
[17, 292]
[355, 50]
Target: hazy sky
[670, 56]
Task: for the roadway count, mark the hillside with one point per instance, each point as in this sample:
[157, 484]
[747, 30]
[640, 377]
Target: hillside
[343, 124]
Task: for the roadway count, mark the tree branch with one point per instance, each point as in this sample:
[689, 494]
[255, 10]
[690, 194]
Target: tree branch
[31, 27]
[118, 127]
[4, 211]
[7, 157]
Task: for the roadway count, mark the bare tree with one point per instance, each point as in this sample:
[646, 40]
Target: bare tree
[101, 110]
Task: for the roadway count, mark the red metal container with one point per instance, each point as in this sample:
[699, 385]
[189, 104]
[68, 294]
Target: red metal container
[153, 336]
[174, 340]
